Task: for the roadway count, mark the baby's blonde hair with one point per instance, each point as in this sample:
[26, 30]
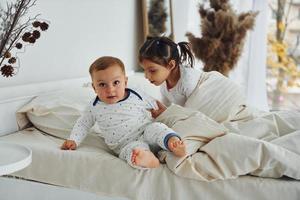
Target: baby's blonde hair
[105, 62]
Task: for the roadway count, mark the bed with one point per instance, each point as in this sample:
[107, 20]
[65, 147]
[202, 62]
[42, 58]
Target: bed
[93, 168]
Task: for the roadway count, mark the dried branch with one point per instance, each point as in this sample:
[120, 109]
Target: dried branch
[271, 7]
[21, 8]
[286, 18]
[17, 32]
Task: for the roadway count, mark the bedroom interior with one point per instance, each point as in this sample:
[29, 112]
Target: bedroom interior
[39, 104]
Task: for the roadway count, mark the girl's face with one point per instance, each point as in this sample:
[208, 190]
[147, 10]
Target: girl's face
[154, 72]
[110, 84]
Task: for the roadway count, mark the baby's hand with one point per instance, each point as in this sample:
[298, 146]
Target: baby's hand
[157, 112]
[69, 145]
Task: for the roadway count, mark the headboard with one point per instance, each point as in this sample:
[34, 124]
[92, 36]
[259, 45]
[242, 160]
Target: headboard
[13, 98]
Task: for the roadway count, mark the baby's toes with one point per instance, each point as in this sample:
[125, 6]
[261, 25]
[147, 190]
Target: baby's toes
[134, 155]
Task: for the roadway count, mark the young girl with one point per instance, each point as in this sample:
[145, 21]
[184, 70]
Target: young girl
[170, 65]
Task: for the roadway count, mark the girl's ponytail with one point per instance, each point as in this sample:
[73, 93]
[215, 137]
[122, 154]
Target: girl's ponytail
[186, 54]
[162, 50]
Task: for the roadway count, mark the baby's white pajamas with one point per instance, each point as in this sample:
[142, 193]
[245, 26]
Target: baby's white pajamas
[124, 125]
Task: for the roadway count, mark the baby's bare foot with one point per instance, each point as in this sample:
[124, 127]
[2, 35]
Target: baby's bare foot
[144, 158]
[177, 146]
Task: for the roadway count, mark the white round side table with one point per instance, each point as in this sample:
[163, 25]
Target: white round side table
[13, 157]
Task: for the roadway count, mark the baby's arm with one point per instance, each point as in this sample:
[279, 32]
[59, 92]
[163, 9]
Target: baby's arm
[80, 131]
[69, 145]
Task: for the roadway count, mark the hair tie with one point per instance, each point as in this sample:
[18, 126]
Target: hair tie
[178, 48]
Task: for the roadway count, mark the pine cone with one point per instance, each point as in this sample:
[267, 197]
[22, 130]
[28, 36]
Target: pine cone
[7, 54]
[7, 70]
[36, 24]
[31, 40]
[19, 45]
[44, 26]
[12, 60]
[36, 34]
[26, 36]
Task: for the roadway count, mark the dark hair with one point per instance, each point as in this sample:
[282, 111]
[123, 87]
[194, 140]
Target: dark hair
[162, 50]
[105, 62]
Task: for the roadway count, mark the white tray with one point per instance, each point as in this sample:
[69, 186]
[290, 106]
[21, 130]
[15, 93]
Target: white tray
[13, 157]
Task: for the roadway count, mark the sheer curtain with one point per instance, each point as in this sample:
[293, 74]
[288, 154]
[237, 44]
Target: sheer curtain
[250, 71]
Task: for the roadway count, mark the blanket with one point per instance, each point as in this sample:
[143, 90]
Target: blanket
[219, 98]
[264, 145]
[225, 138]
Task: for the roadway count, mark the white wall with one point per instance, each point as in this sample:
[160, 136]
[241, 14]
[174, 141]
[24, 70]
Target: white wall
[79, 32]
[180, 19]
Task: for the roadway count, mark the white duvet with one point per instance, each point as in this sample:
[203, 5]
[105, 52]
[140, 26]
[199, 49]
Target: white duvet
[243, 142]
[219, 151]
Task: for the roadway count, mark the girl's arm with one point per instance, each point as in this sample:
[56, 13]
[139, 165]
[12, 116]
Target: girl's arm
[156, 112]
[154, 106]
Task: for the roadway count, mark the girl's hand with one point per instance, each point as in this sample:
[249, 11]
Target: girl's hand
[69, 145]
[157, 112]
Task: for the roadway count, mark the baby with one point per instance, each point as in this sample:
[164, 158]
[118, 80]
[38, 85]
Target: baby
[123, 117]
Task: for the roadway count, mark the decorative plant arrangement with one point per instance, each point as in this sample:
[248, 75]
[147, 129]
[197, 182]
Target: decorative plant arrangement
[157, 17]
[223, 34]
[16, 33]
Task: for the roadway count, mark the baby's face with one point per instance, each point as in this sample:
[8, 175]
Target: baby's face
[110, 84]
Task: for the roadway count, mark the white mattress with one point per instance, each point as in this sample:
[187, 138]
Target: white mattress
[92, 168]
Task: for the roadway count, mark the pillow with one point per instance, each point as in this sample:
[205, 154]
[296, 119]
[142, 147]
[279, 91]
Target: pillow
[56, 113]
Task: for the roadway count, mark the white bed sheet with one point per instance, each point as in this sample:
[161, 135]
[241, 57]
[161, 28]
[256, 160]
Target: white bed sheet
[91, 168]
[18, 189]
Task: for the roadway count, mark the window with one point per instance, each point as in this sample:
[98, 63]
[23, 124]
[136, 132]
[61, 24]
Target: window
[283, 60]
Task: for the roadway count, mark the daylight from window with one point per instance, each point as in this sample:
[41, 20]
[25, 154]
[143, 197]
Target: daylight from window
[283, 59]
